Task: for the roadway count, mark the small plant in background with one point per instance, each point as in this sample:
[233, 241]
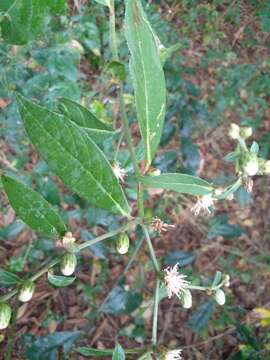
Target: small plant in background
[70, 139]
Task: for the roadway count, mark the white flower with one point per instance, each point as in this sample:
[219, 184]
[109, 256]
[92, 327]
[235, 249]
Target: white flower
[174, 355]
[204, 204]
[251, 168]
[119, 172]
[175, 283]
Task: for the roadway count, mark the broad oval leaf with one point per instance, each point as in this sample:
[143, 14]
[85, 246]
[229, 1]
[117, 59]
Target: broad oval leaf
[96, 129]
[118, 353]
[73, 156]
[7, 278]
[182, 183]
[32, 208]
[60, 281]
[147, 76]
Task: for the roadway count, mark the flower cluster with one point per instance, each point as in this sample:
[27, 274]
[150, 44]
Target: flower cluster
[175, 283]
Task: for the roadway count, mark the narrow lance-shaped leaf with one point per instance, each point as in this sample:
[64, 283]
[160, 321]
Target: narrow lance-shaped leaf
[147, 77]
[96, 129]
[32, 208]
[73, 156]
[181, 183]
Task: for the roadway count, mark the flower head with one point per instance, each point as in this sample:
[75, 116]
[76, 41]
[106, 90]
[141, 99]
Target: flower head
[119, 172]
[175, 283]
[174, 355]
[204, 204]
[160, 226]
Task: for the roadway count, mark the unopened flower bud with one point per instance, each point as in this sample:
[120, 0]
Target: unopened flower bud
[186, 299]
[68, 264]
[266, 167]
[26, 292]
[234, 131]
[122, 243]
[5, 315]
[245, 132]
[220, 297]
[227, 280]
[68, 240]
[251, 167]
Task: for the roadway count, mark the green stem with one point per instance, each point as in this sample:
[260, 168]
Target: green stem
[127, 133]
[151, 249]
[57, 260]
[11, 337]
[113, 38]
[155, 314]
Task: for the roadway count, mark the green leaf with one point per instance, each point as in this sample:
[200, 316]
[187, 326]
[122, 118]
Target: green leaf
[48, 347]
[96, 129]
[181, 183]
[121, 302]
[73, 156]
[117, 69]
[24, 20]
[60, 281]
[118, 353]
[103, 2]
[147, 76]
[167, 52]
[217, 279]
[183, 258]
[32, 208]
[201, 316]
[7, 278]
[87, 351]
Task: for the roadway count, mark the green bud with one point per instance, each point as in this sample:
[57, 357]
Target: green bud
[266, 167]
[5, 315]
[26, 292]
[245, 132]
[186, 299]
[68, 264]
[227, 280]
[122, 243]
[234, 131]
[220, 297]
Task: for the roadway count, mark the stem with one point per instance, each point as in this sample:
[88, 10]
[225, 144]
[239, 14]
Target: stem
[155, 314]
[151, 249]
[127, 133]
[11, 336]
[113, 39]
[57, 260]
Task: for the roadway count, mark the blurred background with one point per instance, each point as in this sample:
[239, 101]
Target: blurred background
[219, 74]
